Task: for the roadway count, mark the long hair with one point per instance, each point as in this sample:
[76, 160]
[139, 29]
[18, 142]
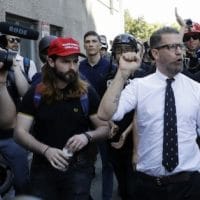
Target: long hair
[52, 93]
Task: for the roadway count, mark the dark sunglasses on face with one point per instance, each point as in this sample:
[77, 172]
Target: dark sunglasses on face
[12, 40]
[186, 38]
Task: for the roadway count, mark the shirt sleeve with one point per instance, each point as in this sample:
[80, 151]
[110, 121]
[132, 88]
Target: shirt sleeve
[27, 104]
[127, 101]
[198, 122]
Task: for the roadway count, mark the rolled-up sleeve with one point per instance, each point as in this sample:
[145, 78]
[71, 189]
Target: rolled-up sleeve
[127, 101]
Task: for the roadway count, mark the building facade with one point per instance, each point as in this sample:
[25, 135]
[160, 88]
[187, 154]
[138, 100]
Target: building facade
[63, 18]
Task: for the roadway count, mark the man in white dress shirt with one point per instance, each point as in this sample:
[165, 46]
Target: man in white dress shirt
[147, 96]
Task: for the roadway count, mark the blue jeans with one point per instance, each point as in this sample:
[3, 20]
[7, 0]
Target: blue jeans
[107, 171]
[17, 159]
[50, 184]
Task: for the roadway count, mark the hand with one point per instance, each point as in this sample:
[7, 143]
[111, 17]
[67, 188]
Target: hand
[114, 130]
[76, 142]
[128, 63]
[179, 19]
[57, 158]
[120, 143]
[15, 62]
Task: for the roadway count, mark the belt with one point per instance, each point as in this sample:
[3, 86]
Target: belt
[166, 180]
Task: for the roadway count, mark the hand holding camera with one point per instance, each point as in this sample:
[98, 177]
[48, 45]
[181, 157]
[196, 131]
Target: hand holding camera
[6, 57]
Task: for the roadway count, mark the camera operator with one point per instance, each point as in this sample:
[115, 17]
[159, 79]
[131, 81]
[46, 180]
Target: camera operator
[12, 43]
[13, 85]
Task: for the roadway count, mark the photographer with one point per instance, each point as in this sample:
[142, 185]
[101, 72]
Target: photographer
[10, 94]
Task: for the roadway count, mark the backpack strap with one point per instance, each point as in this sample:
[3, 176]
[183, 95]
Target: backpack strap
[85, 104]
[38, 94]
[26, 62]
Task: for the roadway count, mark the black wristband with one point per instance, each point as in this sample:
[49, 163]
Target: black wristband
[89, 137]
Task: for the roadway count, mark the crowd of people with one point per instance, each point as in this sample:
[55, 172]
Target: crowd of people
[137, 105]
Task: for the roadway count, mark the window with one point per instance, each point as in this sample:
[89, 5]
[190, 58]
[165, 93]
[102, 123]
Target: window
[55, 30]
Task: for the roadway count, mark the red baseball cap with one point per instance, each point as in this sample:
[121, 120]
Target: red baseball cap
[64, 47]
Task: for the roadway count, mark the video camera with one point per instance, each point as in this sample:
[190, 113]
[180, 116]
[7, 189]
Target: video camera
[6, 56]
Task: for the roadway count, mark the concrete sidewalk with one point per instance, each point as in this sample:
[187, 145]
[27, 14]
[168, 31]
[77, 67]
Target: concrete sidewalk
[97, 183]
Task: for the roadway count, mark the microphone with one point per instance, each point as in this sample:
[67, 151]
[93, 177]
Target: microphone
[19, 31]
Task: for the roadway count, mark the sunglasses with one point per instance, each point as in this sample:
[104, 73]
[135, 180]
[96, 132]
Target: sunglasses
[186, 38]
[12, 40]
[171, 47]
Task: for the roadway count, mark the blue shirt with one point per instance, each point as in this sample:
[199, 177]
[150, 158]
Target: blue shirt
[97, 75]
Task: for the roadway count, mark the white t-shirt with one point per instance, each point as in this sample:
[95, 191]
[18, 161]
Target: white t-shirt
[32, 68]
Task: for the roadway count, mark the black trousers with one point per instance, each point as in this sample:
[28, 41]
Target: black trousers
[123, 169]
[148, 189]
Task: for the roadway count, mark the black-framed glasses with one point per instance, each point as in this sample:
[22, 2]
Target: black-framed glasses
[186, 38]
[12, 40]
[171, 47]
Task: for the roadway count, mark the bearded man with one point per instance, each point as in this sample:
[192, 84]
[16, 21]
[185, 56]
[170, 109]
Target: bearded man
[61, 122]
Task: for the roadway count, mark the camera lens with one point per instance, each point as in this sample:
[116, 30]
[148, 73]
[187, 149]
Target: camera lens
[7, 58]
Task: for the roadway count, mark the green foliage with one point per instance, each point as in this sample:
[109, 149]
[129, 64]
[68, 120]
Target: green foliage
[139, 27]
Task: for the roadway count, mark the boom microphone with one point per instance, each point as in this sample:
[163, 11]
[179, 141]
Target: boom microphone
[19, 31]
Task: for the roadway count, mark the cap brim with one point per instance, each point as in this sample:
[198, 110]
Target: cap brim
[192, 33]
[64, 54]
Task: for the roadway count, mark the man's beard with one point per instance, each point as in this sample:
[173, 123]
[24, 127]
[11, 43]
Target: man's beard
[69, 77]
[175, 69]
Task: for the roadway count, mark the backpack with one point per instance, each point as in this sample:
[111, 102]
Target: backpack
[38, 95]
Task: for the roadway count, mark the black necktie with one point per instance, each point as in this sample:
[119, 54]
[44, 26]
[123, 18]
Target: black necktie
[170, 139]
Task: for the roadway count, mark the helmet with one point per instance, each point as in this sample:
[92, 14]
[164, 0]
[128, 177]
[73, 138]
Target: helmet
[192, 27]
[124, 39]
[43, 45]
[103, 41]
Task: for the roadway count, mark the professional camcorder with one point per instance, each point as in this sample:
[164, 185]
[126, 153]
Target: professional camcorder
[6, 56]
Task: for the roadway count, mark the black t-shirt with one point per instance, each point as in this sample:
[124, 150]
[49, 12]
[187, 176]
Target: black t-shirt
[56, 123]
